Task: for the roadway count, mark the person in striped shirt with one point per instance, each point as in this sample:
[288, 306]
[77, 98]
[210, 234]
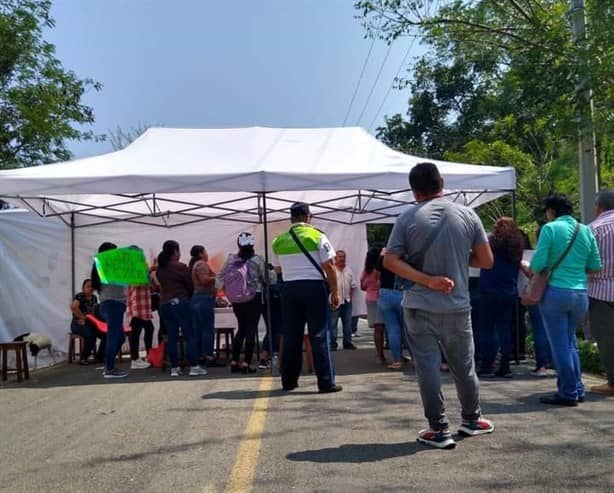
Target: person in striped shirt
[601, 288]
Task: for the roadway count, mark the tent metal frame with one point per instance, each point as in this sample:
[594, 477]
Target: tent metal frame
[226, 209]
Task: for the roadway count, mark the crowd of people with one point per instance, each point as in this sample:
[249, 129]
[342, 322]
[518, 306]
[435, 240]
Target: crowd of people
[417, 297]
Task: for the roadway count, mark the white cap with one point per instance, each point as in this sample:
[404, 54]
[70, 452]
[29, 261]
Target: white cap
[246, 239]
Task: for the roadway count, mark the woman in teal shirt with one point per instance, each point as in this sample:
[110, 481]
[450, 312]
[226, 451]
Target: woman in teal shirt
[565, 302]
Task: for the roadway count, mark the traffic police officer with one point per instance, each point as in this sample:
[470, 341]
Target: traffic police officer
[305, 256]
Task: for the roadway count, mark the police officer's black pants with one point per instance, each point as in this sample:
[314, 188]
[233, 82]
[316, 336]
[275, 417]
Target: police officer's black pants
[306, 302]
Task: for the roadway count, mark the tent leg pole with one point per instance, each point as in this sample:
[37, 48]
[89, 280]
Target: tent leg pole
[72, 253]
[517, 306]
[267, 290]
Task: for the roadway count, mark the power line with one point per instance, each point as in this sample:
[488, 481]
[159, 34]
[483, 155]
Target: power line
[362, 73]
[379, 109]
[379, 73]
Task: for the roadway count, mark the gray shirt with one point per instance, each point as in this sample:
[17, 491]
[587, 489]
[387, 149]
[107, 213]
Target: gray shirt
[112, 292]
[447, 256]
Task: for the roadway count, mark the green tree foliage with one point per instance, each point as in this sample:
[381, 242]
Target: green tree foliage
[498, 86]
[40, 101]
[377, 234]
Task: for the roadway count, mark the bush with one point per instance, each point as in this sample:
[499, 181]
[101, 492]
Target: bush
[589, 357]
[589, 354]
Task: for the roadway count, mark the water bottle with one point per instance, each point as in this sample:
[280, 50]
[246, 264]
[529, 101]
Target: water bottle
[275, 365]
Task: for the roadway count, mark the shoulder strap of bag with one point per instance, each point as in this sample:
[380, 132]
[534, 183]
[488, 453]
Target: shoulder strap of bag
[306, 253]
[569, 245]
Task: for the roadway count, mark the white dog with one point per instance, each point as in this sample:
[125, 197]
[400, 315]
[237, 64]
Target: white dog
[36, 342]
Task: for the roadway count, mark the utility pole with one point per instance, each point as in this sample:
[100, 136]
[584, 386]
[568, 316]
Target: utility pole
[587, 155]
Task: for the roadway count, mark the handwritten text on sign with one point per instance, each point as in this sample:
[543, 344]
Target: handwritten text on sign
[123, 266]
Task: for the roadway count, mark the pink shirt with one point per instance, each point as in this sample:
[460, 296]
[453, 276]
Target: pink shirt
[371, 284]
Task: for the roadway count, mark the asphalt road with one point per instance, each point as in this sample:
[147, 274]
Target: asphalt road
[69, 430]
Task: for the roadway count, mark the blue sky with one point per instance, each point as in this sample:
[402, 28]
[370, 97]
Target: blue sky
[205, 63]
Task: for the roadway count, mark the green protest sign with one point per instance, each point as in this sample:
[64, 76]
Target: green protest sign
[123, 266]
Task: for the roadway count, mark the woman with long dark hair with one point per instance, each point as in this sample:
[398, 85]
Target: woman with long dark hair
[242, 277]
[112, 308]
[370, 284]
[572, 248]
[203, 302]
[176, 290]
[86, 303]
[498, 296]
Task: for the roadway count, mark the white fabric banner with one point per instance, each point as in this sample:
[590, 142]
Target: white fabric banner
[35, 265]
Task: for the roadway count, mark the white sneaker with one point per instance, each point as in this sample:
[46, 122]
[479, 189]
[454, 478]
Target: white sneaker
[540, 372]
[139, 364]
[175, 372]
[197, 371]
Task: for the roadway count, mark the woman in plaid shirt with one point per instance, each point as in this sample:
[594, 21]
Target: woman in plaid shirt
[139, 313]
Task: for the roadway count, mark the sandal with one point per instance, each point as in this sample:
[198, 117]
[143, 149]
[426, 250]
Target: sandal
[395, 366]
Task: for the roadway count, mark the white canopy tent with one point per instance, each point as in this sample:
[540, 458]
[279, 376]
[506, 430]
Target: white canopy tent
[171, 177]
[209, 183]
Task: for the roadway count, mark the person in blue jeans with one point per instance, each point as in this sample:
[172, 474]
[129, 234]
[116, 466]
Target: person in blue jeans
[390, 304]
[565, 301]
[112, 308]
[176, 289]
[543, 356]
[346, 283]
[498, 295]
[203, 304]
[276, 325]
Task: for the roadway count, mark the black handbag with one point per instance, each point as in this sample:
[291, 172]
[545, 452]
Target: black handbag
[155, 302]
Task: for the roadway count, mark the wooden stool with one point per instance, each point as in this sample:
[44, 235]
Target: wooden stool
[228, 333]
[72, 351]
[21, 360]
[72, 347]
[308, 352]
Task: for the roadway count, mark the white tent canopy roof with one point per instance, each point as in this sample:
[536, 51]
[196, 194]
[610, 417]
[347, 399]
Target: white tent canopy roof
[170, 177]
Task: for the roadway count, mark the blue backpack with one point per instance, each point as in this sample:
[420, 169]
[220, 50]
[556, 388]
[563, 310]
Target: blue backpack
[239, 281]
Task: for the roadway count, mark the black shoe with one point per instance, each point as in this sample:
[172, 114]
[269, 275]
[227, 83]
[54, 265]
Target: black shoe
[289, 387]
[330, 390]
[349, 346]
[333, 348]
[235, 368]
[486, 374]
[212, 363]
[83, 362]
[555, 400]
[503, 374]
[581, 399]
[263, 365]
